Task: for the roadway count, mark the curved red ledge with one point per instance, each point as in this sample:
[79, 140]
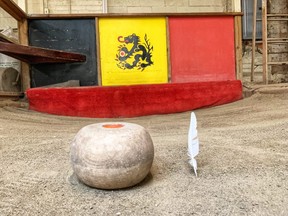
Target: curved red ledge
[132, 101]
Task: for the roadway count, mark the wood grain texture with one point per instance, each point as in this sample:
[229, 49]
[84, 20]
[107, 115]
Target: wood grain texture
[36, 55]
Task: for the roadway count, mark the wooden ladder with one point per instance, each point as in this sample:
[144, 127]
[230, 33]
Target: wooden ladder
[265, 40]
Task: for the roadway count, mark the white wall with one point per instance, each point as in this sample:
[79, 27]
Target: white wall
[118, 6]
[129, 6]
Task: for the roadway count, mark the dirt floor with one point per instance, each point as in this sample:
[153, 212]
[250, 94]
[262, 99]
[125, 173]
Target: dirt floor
[243, 163]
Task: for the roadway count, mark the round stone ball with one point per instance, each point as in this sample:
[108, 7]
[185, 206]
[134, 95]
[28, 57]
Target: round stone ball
[112, 155]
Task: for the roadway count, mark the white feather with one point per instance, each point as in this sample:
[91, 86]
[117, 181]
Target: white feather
[193, 142]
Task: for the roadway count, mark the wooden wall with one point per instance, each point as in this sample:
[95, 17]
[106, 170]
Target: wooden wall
[199, 48]
[25, 23]
[68, 35]
[202, 48]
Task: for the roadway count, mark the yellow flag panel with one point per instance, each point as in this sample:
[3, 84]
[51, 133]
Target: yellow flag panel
[133, 51]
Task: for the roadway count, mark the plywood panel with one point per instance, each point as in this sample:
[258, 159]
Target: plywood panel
[133, 51]
[202, 48]
[68, 35]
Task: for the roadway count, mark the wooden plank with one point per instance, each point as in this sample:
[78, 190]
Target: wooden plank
[69, 36]
[274, 63]
[277, 19]
[4, 93]
[97, 33]
[25, 76]
[264, 40]
[277, 15]
[238, 48]
[168, 50]
[13, 9]
[193, 38]
[253, 39]
[81, 16]
[36, 55]
[276, 39]
[25, 67]
[278, 63]
[6, 39]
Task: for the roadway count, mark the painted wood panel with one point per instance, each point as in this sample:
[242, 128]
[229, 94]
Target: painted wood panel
[133, 51]
[202, 48]
[69, 35]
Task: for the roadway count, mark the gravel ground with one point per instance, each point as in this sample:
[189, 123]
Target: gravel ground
[243, 163]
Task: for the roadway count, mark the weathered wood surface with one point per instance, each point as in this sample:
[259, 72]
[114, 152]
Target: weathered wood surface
[238, 47]
[13, 9]
[91, 15]
[264, 42]
[6, 39]
[68, 36]
[36, 55]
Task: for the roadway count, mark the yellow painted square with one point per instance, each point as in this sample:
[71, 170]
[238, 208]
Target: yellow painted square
[133, 51]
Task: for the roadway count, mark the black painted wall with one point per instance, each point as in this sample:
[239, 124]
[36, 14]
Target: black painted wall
[74, 35]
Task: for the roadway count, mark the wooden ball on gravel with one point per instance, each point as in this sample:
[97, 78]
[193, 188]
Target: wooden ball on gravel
[112, 155]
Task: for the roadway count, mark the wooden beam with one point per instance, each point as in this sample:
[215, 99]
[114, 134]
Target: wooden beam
[25, 68]
[5, 93]
[6, 39]
[97, 36]
[238, 47]
[264, 41]
[121, 15]
[13, 9]
[253, 39]
[36, 55]
[168, 51]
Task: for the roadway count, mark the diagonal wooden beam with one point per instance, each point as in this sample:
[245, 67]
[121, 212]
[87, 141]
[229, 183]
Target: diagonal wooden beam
[13, 9]
[36, 55]
[6, 39]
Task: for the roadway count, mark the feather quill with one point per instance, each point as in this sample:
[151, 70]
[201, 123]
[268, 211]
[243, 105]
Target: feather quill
[193, 142]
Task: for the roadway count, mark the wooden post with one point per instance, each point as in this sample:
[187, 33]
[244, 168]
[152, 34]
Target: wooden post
[264, 41]
[25, 68]
[238, 47]
[236, 7]
[253, 39]
[97, 36]
[168, 51]
[17, 13]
